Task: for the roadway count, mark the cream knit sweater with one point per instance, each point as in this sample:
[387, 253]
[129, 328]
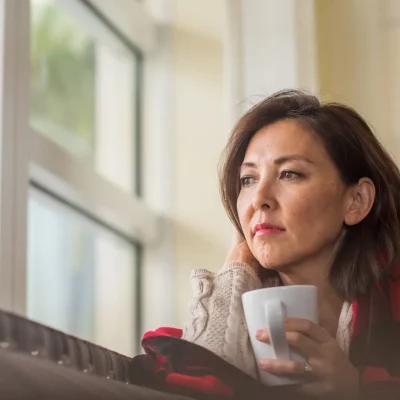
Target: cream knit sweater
[217, 321]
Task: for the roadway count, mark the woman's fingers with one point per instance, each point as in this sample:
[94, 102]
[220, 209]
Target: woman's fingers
[301, 343]
[282, 367]
[263, 335]
[240, 252]
[308, 328]
[331, 371]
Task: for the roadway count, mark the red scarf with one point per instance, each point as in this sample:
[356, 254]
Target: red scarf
[375, 345]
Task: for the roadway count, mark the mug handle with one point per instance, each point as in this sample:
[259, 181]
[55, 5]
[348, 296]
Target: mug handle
[274, 314]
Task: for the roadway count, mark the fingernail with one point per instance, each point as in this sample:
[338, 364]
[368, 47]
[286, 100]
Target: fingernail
[259, 334]
[264, 363]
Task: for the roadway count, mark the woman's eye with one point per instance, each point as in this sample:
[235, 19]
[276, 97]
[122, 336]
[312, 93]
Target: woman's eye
[290, 175]
[246, 181]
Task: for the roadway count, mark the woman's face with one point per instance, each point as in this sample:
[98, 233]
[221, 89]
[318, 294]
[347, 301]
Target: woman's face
[292, 202]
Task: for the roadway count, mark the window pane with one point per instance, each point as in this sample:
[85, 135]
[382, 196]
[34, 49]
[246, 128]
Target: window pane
[83, 88]
[81, 277]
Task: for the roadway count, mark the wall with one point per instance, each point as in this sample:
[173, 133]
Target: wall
[358, 60]
[185, 132]
[202, 230]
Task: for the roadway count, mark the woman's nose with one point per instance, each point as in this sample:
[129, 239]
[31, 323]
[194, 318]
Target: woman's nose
[263, 196]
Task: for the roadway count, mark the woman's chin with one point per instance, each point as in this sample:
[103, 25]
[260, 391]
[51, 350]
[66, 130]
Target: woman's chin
[273, 263]
[271, 266]
[267, 258]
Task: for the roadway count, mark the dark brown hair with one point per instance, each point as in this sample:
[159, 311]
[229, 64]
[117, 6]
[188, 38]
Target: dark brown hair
[370, 247]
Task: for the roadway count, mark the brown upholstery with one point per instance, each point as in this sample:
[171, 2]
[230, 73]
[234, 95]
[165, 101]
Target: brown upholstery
[26, 377]
[30, 352]
[20, 334]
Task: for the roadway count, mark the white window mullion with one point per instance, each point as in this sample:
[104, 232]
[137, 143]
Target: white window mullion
[132, 20]
[14, 147]
[76, 183]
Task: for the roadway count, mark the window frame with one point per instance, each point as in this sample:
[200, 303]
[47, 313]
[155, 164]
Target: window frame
[29, 159]
[14, 111]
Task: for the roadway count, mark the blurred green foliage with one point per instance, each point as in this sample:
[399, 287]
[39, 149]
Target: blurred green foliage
[62, 79]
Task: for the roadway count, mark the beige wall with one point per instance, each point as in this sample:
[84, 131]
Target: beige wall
[202, 231]
[358, 60]
[186, 130]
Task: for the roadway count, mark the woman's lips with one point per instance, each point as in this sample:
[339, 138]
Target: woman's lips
[261, 232]
[267, 229]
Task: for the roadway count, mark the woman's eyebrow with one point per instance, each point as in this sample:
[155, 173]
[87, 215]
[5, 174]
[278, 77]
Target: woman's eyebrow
[248, 164]
[278, 161]
[293, 157]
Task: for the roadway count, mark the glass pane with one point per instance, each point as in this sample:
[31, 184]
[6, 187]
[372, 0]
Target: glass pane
[81, 277]
[83, 88]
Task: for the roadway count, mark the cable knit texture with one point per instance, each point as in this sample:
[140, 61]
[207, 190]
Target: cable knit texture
[343, 334]
[217, 319]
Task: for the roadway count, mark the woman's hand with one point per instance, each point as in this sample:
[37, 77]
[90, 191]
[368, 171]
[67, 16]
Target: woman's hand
[240, 252]
[331, 373]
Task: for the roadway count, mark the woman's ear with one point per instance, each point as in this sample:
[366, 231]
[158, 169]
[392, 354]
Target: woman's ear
[362, 197]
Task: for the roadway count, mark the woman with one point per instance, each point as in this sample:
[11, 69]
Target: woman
[316, 200]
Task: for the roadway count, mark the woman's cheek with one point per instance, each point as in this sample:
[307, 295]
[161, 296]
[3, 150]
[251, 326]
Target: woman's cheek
[243, 212]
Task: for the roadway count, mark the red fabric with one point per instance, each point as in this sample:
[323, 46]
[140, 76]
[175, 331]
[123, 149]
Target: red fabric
[202, 381]
[373, 374]
[395, 300]
[375, 344]
[164, 331]
[394, 284]
[208, 384]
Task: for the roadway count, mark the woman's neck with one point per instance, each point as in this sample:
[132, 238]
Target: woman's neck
[329, 303]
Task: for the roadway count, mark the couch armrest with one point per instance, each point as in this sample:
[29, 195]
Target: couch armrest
[23, 335]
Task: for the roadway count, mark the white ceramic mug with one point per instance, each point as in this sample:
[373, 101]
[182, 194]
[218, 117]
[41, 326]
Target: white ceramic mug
[267, 308]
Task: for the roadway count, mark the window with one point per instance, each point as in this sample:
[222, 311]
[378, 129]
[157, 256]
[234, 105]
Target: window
[84, 89]
[82, 278]
[72, 222]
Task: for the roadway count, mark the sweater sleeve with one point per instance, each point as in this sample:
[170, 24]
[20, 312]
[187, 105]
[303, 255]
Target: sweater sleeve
[216, 319]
